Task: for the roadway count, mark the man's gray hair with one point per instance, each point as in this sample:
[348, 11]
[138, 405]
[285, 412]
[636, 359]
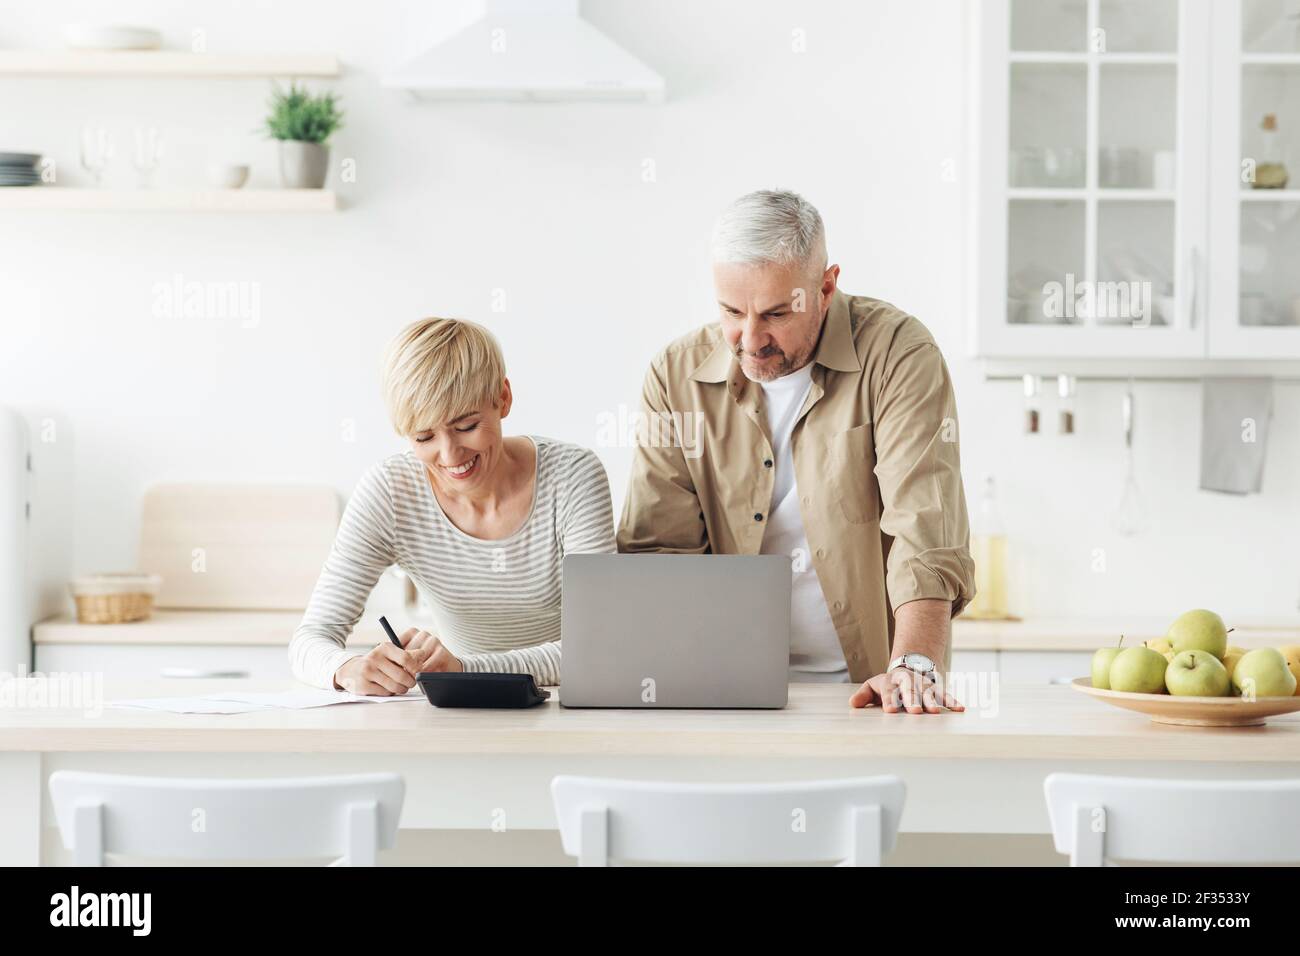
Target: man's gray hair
[769, 225]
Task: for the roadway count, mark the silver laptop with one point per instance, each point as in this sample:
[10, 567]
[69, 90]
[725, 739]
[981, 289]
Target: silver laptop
[675, 630]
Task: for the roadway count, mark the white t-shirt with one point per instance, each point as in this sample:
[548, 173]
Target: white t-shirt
[815, 652]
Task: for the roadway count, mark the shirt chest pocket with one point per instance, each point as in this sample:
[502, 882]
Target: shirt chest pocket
[852, 460]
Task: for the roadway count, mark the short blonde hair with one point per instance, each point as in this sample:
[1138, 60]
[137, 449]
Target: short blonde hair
[437, 370]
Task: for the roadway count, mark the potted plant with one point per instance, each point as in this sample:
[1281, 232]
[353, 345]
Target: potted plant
[302, 123]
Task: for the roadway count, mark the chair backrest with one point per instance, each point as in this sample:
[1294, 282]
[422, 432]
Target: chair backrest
[853, 820]
[349, 817]
[1096, 818]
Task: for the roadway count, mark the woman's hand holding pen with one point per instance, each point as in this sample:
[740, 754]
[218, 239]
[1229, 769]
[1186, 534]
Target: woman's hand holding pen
[385, 671]
[433, 654]
[391, 668]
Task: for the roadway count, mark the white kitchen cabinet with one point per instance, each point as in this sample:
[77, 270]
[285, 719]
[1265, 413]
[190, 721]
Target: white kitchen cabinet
[1043, 667]
[1255, 233]
[1110, 219]
[164, 660]
[975, 662]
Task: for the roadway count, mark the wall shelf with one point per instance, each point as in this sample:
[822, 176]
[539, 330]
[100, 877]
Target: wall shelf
[169, 63]
[168, 200]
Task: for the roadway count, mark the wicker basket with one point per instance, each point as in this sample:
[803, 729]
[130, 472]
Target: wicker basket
[114, 598]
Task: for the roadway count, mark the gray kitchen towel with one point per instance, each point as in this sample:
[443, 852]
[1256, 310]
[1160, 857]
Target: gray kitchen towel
[1235, 413]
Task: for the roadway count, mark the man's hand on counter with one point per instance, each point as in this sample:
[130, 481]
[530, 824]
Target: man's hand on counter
[920, 627]
[903, 690]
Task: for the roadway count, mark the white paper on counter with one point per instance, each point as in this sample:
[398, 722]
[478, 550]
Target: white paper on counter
[305, 697]
[243, 702]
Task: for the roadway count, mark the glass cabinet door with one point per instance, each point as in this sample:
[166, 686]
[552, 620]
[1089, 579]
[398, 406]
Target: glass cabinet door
[1101, 165]
[1257, 205]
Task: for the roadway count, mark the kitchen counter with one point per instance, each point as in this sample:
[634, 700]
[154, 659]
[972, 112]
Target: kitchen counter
[1019, 722]
[976, 772]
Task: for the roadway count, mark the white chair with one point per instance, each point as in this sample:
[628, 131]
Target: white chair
[853, 820]
[1100, 819]
[349, 817]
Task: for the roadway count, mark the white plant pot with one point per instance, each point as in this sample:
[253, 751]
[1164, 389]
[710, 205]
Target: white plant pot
[303, 165]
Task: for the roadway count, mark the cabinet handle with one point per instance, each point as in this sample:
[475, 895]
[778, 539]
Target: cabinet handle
[1194, 287]
[197, 673]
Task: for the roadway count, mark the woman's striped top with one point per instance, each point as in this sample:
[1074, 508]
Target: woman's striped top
[496, 603]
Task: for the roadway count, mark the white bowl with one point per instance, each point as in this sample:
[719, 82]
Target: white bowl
[227, 175]
[108, 36]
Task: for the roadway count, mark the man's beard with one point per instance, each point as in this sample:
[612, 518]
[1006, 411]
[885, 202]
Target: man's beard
[771, 371]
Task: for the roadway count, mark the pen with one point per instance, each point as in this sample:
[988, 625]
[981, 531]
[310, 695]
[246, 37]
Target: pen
[388, 629]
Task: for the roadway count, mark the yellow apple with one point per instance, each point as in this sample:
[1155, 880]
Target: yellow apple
[1230, 658]
[1161, 645]
[1292, 654]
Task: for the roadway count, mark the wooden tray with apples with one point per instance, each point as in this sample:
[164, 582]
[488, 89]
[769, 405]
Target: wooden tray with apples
[1194, 711]
[1193, 677]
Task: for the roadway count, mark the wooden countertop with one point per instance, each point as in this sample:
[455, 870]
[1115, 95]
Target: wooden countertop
[1029, 722]
[270, 628]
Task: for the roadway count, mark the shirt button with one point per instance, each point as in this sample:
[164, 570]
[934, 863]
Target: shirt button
[821, 552]
[807, 500]
[839, 605]
[758, 516]
[767, 463]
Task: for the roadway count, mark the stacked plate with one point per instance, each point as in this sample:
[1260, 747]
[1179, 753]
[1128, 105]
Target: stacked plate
[19, 169]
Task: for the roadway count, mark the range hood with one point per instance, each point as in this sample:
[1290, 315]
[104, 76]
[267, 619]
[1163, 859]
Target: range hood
[529, 50]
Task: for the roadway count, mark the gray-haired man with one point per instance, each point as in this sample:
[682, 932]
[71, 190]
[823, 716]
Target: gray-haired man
[829, 435]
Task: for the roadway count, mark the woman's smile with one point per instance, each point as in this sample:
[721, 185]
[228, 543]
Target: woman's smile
[464, 469]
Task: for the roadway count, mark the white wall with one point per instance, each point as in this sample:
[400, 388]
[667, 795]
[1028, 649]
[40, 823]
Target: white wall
[598, 266]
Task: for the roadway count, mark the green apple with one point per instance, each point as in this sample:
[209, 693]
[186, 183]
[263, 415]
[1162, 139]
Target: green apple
[1138, 670]
[1196, 674]
[1263, 673]
[1101, 662]
[1199, 630]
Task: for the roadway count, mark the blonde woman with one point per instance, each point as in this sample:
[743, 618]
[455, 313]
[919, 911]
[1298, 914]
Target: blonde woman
[479, 520]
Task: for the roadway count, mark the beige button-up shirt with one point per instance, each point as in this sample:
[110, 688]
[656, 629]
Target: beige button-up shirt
[876, 466]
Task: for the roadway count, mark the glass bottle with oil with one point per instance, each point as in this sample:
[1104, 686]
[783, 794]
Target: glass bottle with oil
[989, 551]
[1270, 172]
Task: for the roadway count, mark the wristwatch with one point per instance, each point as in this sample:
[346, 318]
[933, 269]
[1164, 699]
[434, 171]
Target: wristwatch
[916, 663]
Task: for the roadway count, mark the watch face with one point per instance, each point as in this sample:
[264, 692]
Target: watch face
[918, 662]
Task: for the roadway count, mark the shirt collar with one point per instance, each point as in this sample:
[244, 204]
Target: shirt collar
[835, 349]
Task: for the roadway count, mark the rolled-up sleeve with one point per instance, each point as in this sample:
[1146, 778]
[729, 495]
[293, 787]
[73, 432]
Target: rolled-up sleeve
[918, 469]
[661, 512]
